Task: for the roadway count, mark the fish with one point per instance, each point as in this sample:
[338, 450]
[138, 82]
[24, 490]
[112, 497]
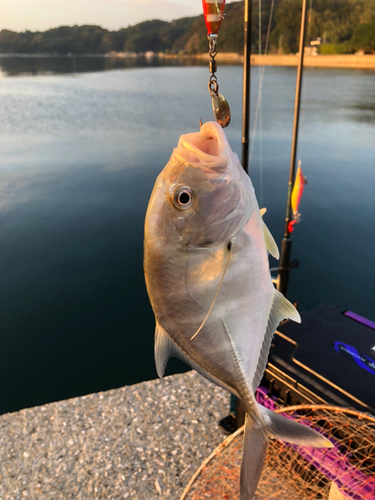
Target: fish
[208, 280]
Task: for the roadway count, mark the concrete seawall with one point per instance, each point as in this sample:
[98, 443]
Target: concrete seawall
[142, 442]
[321, 61]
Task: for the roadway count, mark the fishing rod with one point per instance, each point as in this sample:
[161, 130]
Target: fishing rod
[246, 85]
[286, 244]
[285, 264]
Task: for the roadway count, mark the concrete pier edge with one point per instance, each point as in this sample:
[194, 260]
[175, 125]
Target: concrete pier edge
[142, 442]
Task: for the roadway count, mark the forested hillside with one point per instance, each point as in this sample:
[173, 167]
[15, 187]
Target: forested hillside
[343, 25]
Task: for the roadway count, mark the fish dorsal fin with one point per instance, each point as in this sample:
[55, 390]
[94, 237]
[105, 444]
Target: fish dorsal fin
[165, 348]
[270, 242]
[281, 309]
[262, 211]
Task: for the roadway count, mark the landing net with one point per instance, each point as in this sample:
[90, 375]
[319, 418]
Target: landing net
[299, 473]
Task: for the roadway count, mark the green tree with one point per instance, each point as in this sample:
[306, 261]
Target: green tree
[286, 32]
[364, 37]
[333, 20]
[336, 21]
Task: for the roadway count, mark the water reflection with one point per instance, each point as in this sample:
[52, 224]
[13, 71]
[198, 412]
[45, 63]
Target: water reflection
[44, 65]
[365, 112]
[78, 159]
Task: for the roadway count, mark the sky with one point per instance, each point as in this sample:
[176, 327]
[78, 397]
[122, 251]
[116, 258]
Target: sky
[40, 15]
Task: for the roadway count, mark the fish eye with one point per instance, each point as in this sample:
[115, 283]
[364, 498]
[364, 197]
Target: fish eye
[182, 198]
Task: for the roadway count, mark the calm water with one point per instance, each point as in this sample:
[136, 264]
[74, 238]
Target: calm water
[80, 149]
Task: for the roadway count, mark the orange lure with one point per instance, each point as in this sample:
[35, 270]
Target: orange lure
[213, 14]
[296, 197]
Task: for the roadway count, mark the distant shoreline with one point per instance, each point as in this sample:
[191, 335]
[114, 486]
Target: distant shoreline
[321, 61]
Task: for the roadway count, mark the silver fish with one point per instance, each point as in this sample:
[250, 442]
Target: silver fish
[208, 279]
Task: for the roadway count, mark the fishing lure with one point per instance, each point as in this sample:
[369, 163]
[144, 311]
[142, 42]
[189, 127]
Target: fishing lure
[296, 197]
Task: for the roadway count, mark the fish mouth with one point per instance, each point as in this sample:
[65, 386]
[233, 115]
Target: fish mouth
[209, 140]
[206, 149]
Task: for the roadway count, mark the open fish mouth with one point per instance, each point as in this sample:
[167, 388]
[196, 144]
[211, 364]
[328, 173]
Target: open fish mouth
[207, 140]
[206, 149]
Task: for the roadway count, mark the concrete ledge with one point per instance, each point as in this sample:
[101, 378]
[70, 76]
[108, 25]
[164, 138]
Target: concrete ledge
[142, 441]
[321, 61]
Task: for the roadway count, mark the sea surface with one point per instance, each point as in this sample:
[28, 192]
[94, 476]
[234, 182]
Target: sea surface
[82, 141]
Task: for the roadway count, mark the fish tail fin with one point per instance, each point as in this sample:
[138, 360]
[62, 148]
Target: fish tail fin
[286, 429]
[255, 443]
[254, 451]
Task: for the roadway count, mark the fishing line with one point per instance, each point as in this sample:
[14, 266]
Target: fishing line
[260, 88]
[260, 103]
[217, 293]
[310, 12]
[305, 80]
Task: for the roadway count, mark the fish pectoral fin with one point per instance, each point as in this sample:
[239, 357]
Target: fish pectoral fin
[288, 430]
[217, 292]
[254, 451]
[281, 309]
[166, 348]
[262, 211]
[270, 242]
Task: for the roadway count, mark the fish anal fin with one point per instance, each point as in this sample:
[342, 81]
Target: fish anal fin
[165, 348]
[281, 309]
[288, 430]
[254, 451]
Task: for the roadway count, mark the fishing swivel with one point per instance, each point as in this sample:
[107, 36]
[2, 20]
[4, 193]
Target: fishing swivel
[213, 15]
[220, 105]
[213, 86]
